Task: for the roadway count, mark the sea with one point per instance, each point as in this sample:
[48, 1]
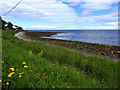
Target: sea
[108, 37]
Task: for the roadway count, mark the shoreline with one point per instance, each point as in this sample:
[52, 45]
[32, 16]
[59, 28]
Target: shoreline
[101, 50]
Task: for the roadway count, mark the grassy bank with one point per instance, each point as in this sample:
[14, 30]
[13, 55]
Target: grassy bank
[103, 50]
[57, 68]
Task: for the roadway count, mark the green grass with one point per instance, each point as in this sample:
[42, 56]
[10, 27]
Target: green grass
[74, 69]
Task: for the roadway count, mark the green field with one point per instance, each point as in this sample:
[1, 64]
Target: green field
[56, 67]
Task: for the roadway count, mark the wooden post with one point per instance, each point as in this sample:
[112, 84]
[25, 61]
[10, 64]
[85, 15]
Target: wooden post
[0, 22]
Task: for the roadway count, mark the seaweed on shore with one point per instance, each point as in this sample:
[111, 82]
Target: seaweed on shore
[111, 52]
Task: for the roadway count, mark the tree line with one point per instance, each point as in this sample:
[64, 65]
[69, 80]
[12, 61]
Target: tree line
[10, 26]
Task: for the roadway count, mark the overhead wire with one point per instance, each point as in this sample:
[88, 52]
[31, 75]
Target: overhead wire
[12, 8]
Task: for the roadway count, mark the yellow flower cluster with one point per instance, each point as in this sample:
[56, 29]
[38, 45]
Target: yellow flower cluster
[25, 65]
[13, 71]
[20, 74]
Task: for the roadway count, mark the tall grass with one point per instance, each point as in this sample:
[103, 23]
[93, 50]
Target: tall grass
[82, 71]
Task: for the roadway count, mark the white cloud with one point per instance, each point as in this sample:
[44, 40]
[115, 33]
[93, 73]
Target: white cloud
[103, 27]
[52, 11]
[89, 0]
[112, 23]
[45, 11]
[47, 27]
[92, 5]
[43, 27]
[96, 5]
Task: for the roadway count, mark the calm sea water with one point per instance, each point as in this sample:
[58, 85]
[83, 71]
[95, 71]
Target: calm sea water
[108, 37]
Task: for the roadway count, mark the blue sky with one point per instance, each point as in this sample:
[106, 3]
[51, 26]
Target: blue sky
[62, 14]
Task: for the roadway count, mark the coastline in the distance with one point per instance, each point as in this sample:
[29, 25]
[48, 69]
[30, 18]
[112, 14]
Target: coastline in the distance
[86, 48]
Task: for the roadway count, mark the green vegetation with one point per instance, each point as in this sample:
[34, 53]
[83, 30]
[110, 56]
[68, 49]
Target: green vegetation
[56, 67]
[9, 26]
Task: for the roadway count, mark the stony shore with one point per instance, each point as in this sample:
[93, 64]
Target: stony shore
[111, 52]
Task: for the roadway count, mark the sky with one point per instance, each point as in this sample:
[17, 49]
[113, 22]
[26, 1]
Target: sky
[62, 14]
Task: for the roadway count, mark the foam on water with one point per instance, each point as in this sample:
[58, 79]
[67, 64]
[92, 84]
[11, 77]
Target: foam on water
[108, 37]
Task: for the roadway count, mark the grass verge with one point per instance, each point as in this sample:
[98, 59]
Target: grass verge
[57, 68]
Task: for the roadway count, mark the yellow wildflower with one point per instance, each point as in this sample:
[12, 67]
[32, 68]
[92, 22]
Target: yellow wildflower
[21, 73]
[24, 62]
[3, 62]
[12, 69]
[13, 73]
[0, 80]
[7, 83]
[20, 76]
[25, 66]
[16, 69]
[9, 75]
